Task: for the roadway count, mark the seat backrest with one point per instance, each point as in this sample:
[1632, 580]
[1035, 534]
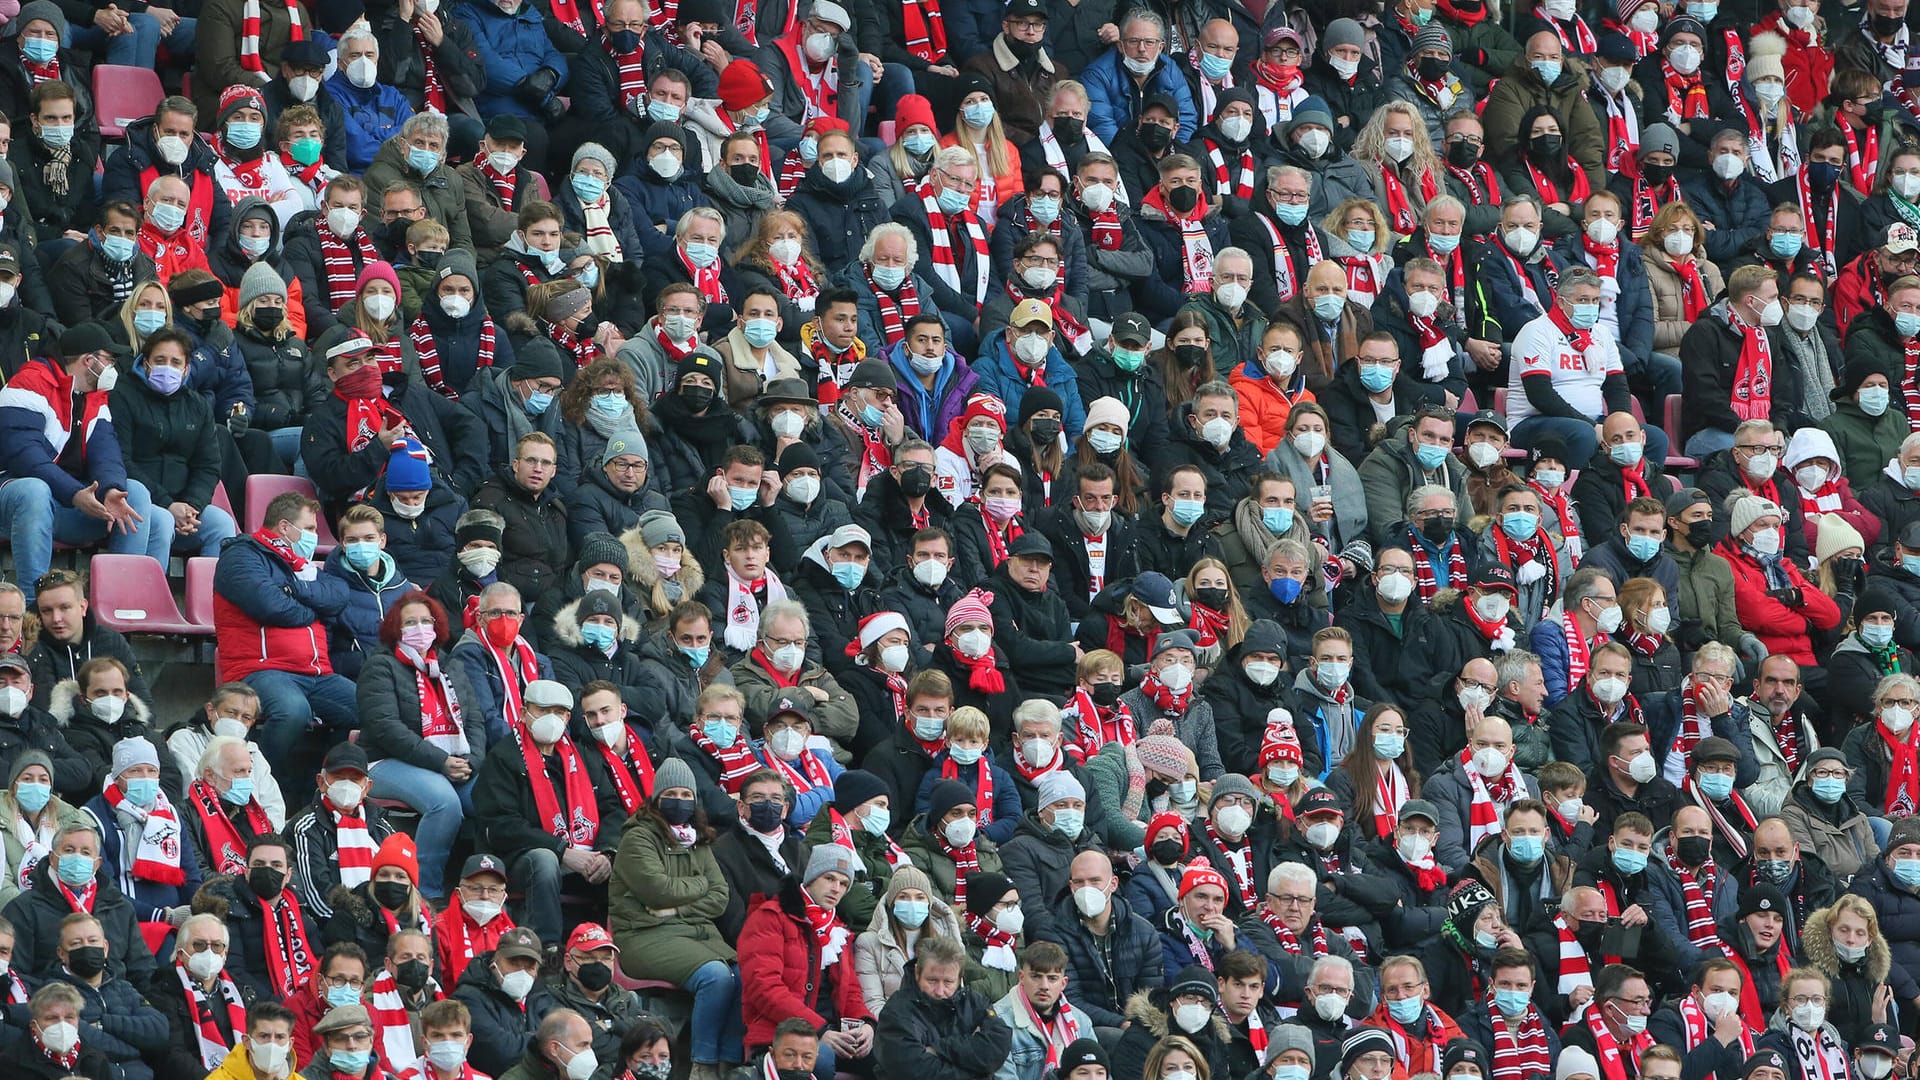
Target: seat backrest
[130, 592]
[122, 95]
[262, 488]
[200, 589]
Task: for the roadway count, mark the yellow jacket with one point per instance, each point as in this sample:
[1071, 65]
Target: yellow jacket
[238, 1066]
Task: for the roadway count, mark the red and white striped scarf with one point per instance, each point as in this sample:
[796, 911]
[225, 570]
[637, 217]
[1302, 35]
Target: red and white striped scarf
[632, 773]
[354, 844]
[157, 857]
[213, 1046]
[1400, 213]
[1239, 857]
[503, 185]
[982, 786]
[1575, 970]
[1490, 800]
[806, 772]
[1694, 1019]
[1613, 1066]
[925, 29]
[1728, 830]
[1058, 1033]
[1235, 181]
[434, 91]
[1697, 886]
[584, 350]
[966, 862]
[1390, 793]
[796, 281]
[1425, 581]
[1290, 941]
[1863, 155]
[1196, 248]
[843, 835]
[1286, 276]
[1646, 202]
[427, 351]
[1519, 1052]
[1819, 240]
[392, 1027]
[39, 73]
[250, 33]
[633, 74]
[1579, 649]
[941, 226]
[1693, 726]
[1686, 95]
[290, 958]
[896, 310]
[1069, 327]
[337, 259]
[1482, 188]
[1098, 726]
[736, 762]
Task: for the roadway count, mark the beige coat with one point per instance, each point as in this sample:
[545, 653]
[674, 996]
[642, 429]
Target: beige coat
[1669, 306]
[745, 380]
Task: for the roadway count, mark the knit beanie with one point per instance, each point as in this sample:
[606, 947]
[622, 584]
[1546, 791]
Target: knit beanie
[660, 527]
[261, 279]
[407, 467]
[985, 891]
[1107, 410]
[856, 787]
[597, 548]
[672, 773]
[1342, 32]
[595, 152]
[1744, 508]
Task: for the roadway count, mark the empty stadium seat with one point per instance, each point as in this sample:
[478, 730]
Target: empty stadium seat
[122, 95]
[129, 593]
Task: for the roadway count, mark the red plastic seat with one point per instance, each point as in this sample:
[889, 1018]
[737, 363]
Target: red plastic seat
[200, 590]
[261, 489]
[130, 594]
[540, 188]
[221, 500]
[122, 95]
[1670, 423]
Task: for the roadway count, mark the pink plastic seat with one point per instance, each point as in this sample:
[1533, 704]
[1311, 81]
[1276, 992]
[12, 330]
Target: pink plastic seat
[200, 590]
[261, 490]
[130, 594]
[122, 95]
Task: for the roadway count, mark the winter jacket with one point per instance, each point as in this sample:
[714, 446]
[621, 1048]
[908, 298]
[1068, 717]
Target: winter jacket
[513, 49]
[1350, 407]
[1599, 493]
[1390, 473]
[270, 617]
[536, 548]
[502, 1027]
[507, 817]
[1036, 859]
[1521, 89]
[36, 914]
[1196, 727]
[315, 837]
[53, 661]
[448, 429]
[1839, 833]
[1670, 322]
[1853, 984]
[663, 900]
[1106, 970]
[1736, 212]
[1147, 1016]
[218, 42]
[1114, 99]
[666, 671]
[1163, 292]
[355, 633]
[781, 974]
[1866, 443]
[53, 213]
[372, 116]
[839, 216]
[440, 189]
[1784, 628]
[1711, 356]
[388, 694]
[150, 898]
[1451, 793]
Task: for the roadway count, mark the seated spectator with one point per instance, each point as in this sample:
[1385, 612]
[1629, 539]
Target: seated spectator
[207, 1015]
[67, 882]
[475, 919]
[31, 834]
[1174, 1028]
[777, 943]
[508, 1005]
[530, 256]
[337, 835]
[116, 1012]
[70, 636]
[146, 838]
[53, 166]
[53, 1030]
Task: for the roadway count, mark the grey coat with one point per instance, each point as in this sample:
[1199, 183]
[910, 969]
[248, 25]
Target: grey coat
[1196, 728]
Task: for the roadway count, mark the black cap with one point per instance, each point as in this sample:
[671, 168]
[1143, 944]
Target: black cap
[1881, 1037]
[88, 337]
[1760, 897]
[1319, 801]
[800, 705]
[1026, 7]
[1858, 369]
[305, 53]
[1616, 48]
[1081, 1051]
[786, 392]
[1031, 545]
[1163, 101]
[1679, 501]
[1909, 537]
[1492, 575]
[1766, 1058]
[483, 864]
[507, 127]
[345, 755]
[1488, 416]
[1133, 326]
[873, 373]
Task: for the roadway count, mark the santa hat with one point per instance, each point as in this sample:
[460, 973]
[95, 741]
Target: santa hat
[970, 608]
[874, 627]
[1201, 872]
[1280, 742]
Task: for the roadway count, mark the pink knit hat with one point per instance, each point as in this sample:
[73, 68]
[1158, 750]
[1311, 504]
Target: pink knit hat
[970, 608]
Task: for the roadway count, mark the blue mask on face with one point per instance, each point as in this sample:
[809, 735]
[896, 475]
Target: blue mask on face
[1548, 70]
[979, 114]
[1629, 861]
[1329, 306]
[919, 143]
[1389, 747]
[1407, 1009]
[241, 791]
[721, 732]
[308, 543]
[76, 870]
[598, 635]
[952, 201]
[1786, 245]
[759, 332]
[1430, 456]
[1643, 548]
[1443, 245]
[143, 790]
[871, 415]
[1284, 589]
[1290, 214]
[1828, 789]
[1878, 635]
[117, 248]
[1360, 239]
[32, 797]
[1873, 400]
[146, 322]
[40, 50]
[1527, 849]
[1907, 323]
[1585, 316]
[1187, 511]
[610, 404]
[741, 498]
[1626, 455]
[538, 402]
[422, 161]
[849, 574]
[244, 134]
[337, 997]
[1377, 377]
[1510, 1002]
[1715, 786]
[1215, 67]
[1277, 519]
[1519, 524]
[351, 1063]
[590, 189]
[362, 554]
[663, 112]
[1907, 872]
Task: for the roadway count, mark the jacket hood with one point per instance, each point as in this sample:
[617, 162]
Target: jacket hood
[640, 567]
[1142, 1010]
[566, 625]
[274, 233]
[64, 699]
[1816, 941]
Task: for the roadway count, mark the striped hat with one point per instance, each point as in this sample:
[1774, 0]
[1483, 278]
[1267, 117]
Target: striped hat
[970, 608]
[1201, 872]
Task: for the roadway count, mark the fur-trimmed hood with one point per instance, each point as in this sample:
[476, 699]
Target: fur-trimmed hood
[566, 624]
[64, 699]
[1816, 942]
[1154, 1018]
[646, 576]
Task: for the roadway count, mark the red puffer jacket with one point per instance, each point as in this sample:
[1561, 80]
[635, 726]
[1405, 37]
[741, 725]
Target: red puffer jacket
[1783, 630]
[267, 617]
[780, 974]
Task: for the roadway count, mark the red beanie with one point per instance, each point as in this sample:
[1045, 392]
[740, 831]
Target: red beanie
[1167, 820]
[742, 86]
[397, 850]
[914, 109]
[1201, 872]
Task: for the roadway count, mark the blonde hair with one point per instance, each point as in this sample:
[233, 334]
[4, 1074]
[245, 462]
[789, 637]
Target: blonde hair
[1335, 224]
[993, 137]
[1371, 143]
[1663, 222]
[133, 300]
[967, 722]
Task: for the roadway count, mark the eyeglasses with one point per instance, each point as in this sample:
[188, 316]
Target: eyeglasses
[484, 892]
[1139, 42]
[499, 613]
[1290, 901]
[627, 466]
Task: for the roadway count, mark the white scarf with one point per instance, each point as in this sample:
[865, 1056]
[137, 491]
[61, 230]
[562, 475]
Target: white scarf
[743, 611]
[37, 845]
[1518, 782]
[1821, 1054]
[212, 1052]
[354, 872]
[600, 239]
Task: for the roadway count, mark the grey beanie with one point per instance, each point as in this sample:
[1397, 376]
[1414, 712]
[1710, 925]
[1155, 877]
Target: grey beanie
[660, 527]
[458, 262]
[596, 152]
[7, 176]
[624, 441]
[1343, 32]
[133, 751]
[597, 548]
[825, 859]
[1433, 36]
[673, 773]
[1234, 784]
[261, 280]
[38, 9]
[1659, 137]
[598, 602]
[26, 758]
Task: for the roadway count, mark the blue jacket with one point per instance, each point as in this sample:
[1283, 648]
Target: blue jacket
[30, 419]
[423, 547]
[512, 47]
[1006, 797]
[373, 116]
[1549, 642]
[470, 655]
[657, 202]
[1113, 100]
[355, 634]
[805, 803]
[149, 898]
[998, 377]
[217, 368]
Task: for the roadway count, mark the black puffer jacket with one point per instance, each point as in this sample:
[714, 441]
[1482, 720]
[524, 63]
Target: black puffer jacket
[502, 1027]
[456, 60]
[835, 610]
[955, 1039]
[1227, 471]
[1240, 707]
[535, 546]
[168, 442]
[838, 215]
[278, 368]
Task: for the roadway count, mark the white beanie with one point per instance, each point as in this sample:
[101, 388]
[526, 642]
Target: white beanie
[1744, 508]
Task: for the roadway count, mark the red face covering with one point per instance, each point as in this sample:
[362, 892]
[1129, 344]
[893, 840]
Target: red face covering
[502, 629]
[363, 383]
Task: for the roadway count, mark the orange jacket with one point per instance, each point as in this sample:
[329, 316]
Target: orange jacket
[1005, 185]
[1422, 1047]
[1263, 407]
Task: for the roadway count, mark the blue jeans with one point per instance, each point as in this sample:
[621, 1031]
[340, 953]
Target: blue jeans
[441, 805]
[535, 875]
[33, 522]
[286, 443]
[290, 703]
[1707, 442]
[717, 1026]
[1579, 440]
[216, 528]
[140, 48]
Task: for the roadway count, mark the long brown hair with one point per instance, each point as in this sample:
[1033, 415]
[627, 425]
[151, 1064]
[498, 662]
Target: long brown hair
[753, 250]
[1361, 765]
[573, 400]
[1127, 481]
[1181, 384]
[1236, 613]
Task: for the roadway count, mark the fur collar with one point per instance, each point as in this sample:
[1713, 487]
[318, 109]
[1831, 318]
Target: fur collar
[566, 624]
[1004, 58]
[64, 699]
[1816, 941]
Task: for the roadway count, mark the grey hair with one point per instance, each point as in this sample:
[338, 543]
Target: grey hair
[1513, 665]
[498, 589]
[1753, 427]
[1523, 199]
[1291, 873]
[1219, 388]
[1291, 550]
[953, 157]
[1716, 652]
[216, 747]
[1910, 444]
[425, 124]
[895, 229]
[1443, 202]
[698, 213]
[1897, 681]
[359, 31]
[786, 609]
[1141, 14]
[1578, 276]
[1582, 585]
[1330, 963]
[1226, 253]
[1422, 494]
[1036, 711]
[203, 919]
[1572, 898]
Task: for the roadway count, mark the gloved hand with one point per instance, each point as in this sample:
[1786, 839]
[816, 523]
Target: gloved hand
[1789, 596]
[1530, 572]
[534, 90]
[1751, 651]
[238, 421]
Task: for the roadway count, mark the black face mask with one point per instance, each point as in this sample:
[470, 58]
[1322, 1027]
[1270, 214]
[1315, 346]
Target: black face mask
[1106, 694]
[392, 895]
[1183, 199]
[1437, 529]
[1547, 149]
[1693, 850]
[1587, 933]
[621, 42]
[1887, 25]
[268, 319]
[266, 882]
[1214, 599]
[1700, 533]
[1045, 432]
[396, 378]
[1433, 68]
[397, 232]
[697, 398]
[1025, 50]
[1167, 852]
[1462, 155]
[427, 260]
[1155, 137]
[1657, 175]
[915, 482]
[744, 174]
[87, 961]
[676, 811]
[412, 974]
[765, 817]
[594, 977]
[1823, 175]
[1069, 130]
[1190, 356]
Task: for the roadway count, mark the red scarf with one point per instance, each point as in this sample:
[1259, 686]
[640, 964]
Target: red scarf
[1902, 797]
[1286, 276]
[632, 774]
[39, 73]
[805, 772]
[1058, 1033]
[736, 762]
[1575, 969]
[1207, 624]
[433, 89]
[1489, 629]
[212, 1045]
[1818, 239]
[353, 847]
[1647, 202]
[1165, 699]
[1107, 234]
[1579, 40]
[1694, 1019]
[1235, 181]
[290, 959]
[503, 185]
[1519, 1053]
[427, 350]
[515, 673]
[796, 281]
[1425, 583]
[1749, 996]
[1910, 383]
[1239, 859]
[229, 851]
[843, 835]
[966, 862]
[894, 310]
[1543, 183]
[1537, 548]
[1578, 648]
[1098, 726]
[1000, 535]
[983, 675]
[1613, 1066]
[704, 278]
[1644, 645]
[633, 73]
[1693, 289]
[1289, 941]
[1482, 188]
[982, 785]
[66, 1061]
[1491, 797]
[1400, 213]
[1064, 321]
[1196, 249]
[1605, 257]
[675, 351]
[925, 30]
[1686, 95]
[1697, 887]
[945, 229]
[1863, 155]
[342, 261]
[459, 939]
[250, 35]
[1561, 505]
[157, 855]
[578, 821]
[1753, 376]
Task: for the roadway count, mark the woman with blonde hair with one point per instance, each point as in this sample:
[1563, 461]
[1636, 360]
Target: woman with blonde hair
[909, 913]
[1683, 282]
[1398, 157]
[1217, 617]
[1357, 239]
[977, 127]
[778, 255]
[147, 310]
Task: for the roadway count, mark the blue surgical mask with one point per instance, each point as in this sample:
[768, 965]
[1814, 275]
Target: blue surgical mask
[308, 543]
[1878, 635]
[32, 797]
[1828, 789]
[1044, 208]
[1277, 519]
[76, 870]
[1285, 589]
[1430, 456]
[1786, 244]
[588, 275]
[721, 732]
[663, 112]
[589, 188]
[1910, 563]
[1715, 786]
[40, 50]
[1527, 849]
[1519, 524]
[910, 913]
[362, 554]
[598, 635]
[1360, 239]
[1643, 548]
[1389, 747]
[1328, 306]
[1873, 400]
[952, 201]
[1548, 70]
[1907, 323]
[849, 574]
[143, 790]
[871, 415]
[1069, 823]
[1510, 1002]
[964, 755]
[759, 332]
[1215, 67]
[1407, 1009]
[889, 277]
[1629, 861]
[244, 134]
[1907, 872]
[979, 114]
[1377, 377]
[1585, 316]
[610, 404]
[1443, 244]
[1187, 511]
[696, 654]
[1290, 214]
[1704, 10]
[919, 143]
[146, 322]
[117, 248]
[240, 793]
[349, 1062]
[741, 498]
[422, 161]
[538, 402]
[1626, 455]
